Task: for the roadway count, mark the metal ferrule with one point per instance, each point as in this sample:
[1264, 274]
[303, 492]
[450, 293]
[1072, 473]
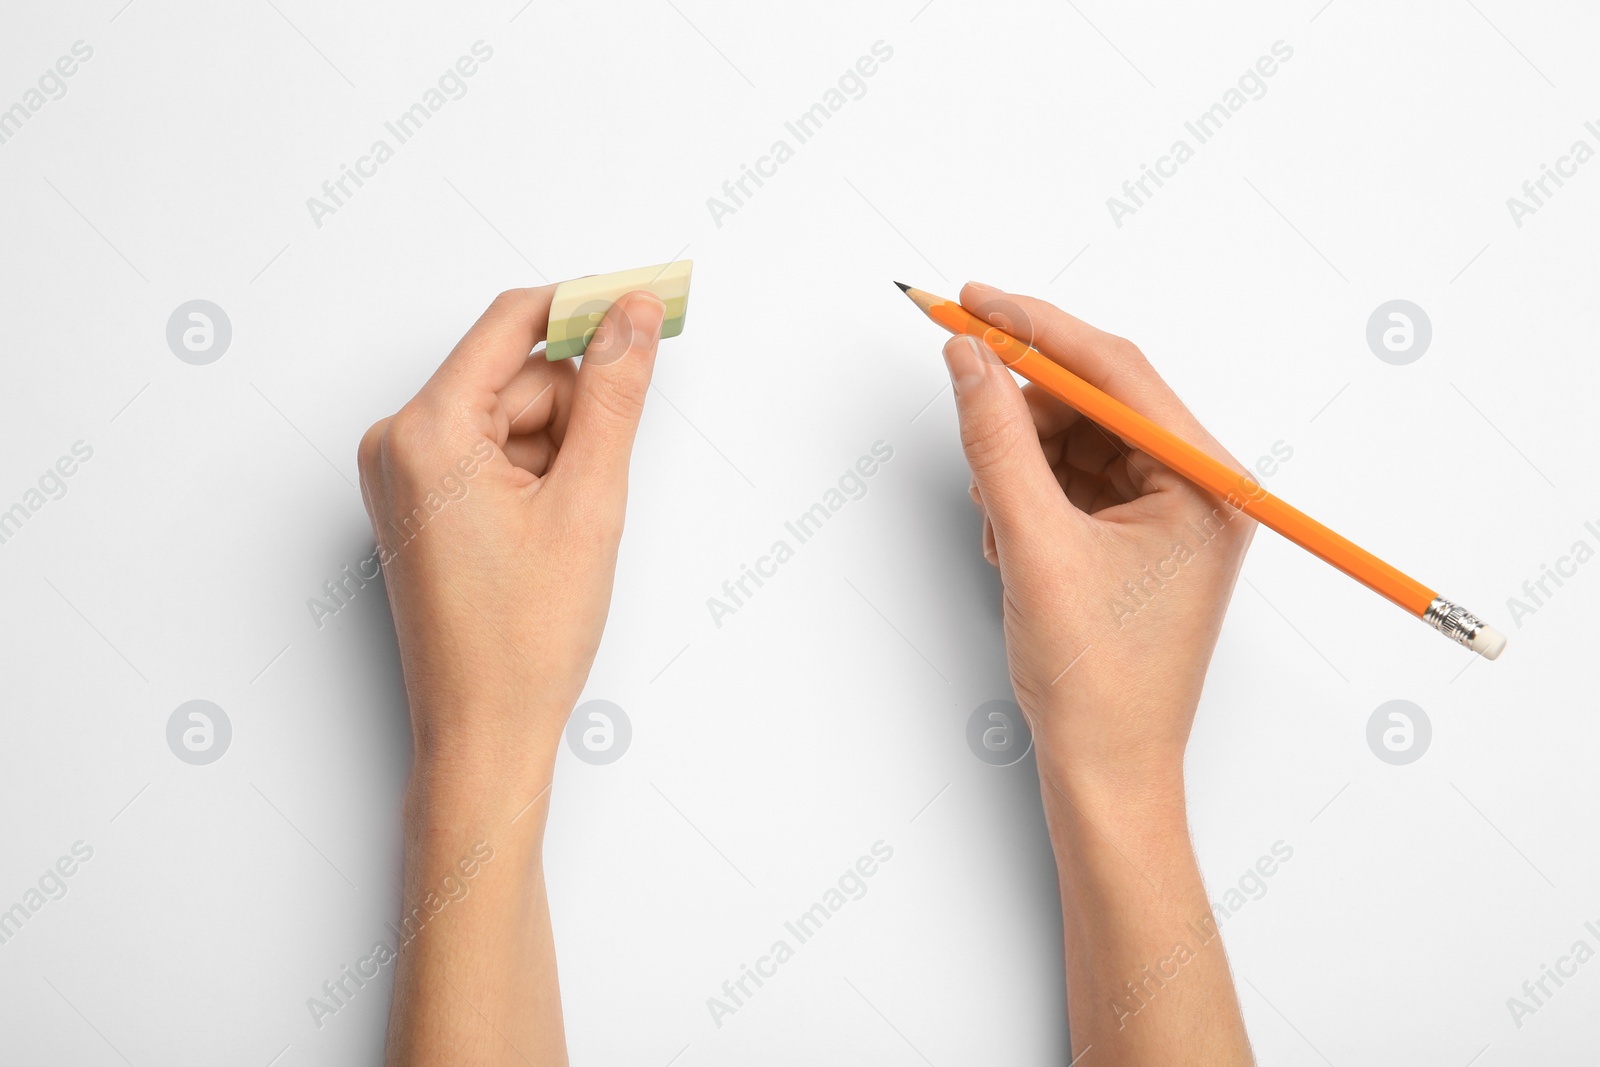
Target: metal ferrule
[1453, 620]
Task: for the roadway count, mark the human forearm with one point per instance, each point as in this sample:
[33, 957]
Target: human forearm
[476, 979]
[1147, 976]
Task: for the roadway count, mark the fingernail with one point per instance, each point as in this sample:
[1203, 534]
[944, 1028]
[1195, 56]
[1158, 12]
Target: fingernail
[965, 361]
[645, 313]
[983, 287]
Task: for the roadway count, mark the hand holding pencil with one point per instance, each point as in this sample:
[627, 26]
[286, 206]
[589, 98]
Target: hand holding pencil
[1117, 572]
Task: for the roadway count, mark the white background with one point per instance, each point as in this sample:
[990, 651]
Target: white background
[829, 713]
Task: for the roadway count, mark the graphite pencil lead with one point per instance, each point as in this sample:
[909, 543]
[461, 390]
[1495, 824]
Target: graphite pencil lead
[904, 288]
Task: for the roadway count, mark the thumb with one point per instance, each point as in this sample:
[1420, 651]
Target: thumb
[997, 434]
[609, 394]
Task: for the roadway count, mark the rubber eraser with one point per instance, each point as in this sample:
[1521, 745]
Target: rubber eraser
[580, 304]
[1488, 642]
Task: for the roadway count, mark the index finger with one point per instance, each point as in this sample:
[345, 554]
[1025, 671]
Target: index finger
[1107, 362]
[491, 353]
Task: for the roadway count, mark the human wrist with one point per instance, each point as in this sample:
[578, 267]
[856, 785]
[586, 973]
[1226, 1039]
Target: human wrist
[1128, 841]
[1144, 791]
[470, 784]
[1112, 745]
[481, 719]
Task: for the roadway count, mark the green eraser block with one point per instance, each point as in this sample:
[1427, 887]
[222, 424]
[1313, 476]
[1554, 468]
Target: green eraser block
[579, 305]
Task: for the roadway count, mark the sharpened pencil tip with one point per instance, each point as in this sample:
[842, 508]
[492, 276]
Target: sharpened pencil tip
[904, 288]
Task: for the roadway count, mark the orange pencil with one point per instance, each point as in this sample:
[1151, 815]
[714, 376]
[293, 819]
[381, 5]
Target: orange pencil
[1239, 490]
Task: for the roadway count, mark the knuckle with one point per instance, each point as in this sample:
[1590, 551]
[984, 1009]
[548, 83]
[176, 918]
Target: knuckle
[986, 438]
[371, 442]
[406, 431]
[1125, 351]
[506, 298]
[412, 435]
[618, 393]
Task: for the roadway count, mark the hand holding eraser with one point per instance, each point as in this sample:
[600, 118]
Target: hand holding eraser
[580, 304]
